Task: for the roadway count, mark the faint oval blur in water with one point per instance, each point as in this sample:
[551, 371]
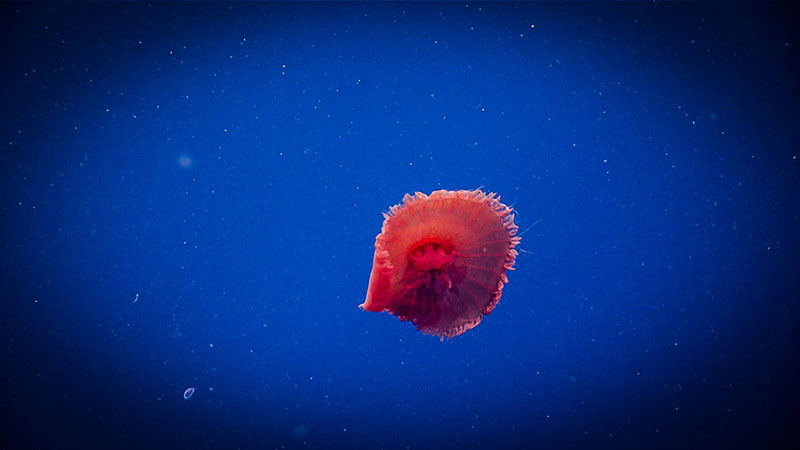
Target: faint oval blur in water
[300, 431]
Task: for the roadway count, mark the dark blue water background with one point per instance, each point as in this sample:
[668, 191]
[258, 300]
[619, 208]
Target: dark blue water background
[190, 195]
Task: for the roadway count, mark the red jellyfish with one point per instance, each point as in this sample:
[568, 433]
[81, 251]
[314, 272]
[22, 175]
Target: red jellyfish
[440, 260]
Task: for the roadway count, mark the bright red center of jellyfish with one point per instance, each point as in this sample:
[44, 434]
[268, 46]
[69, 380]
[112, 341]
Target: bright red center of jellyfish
[430, 256]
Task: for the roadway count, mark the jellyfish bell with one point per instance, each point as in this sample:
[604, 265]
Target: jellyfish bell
[440, 260]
